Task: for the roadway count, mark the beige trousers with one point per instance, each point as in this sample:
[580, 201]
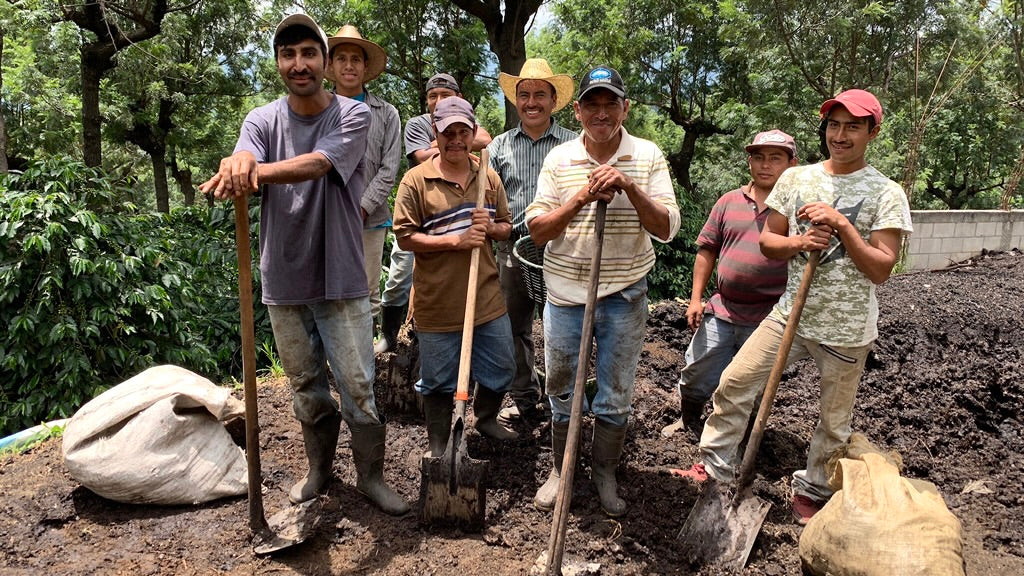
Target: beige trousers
[745, 378]
[373, 254]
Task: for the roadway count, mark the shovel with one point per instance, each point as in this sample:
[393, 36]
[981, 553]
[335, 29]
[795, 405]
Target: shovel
[724, 523]
[560, 516]
[452, 485]
[292, 525]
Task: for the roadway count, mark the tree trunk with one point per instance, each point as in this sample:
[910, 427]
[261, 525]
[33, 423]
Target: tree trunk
[183, 176]
[3, 123]
[160, 179]
[1011, 186]
[506, 35]
[96, 61]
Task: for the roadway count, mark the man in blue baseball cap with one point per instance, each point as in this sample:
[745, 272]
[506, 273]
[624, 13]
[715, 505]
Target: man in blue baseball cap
[605, 163]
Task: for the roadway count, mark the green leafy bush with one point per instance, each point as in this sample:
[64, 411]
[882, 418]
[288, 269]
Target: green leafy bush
[94, 290]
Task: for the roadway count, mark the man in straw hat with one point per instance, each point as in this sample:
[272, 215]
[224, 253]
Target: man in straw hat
[517, 156]
[436, 218]
[354, 62]
[604, 163]
[306, 150]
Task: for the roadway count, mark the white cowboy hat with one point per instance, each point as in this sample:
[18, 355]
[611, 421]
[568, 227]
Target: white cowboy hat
[538, 69]
[376, 57]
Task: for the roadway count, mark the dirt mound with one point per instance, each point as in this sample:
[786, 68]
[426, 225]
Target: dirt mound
[943, 387]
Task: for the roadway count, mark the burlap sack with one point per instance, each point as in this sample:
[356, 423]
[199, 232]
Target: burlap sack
[880, 524]
[158, 438]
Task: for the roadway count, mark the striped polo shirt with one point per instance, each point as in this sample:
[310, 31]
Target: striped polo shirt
[749, 283]
[429, 204]
[517, 158]
[627, 254]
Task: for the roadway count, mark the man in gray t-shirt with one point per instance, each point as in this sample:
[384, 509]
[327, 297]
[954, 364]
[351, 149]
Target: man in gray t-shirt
[307, 150]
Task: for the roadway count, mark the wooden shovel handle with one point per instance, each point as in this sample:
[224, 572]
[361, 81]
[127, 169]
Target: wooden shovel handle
[257, 520]
[465, 358]
[746, 473]
[560, 516]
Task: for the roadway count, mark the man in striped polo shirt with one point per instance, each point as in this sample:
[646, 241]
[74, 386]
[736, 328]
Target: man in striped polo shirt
[749, 283]
[517, 156]
[604, 164]
[436, 219]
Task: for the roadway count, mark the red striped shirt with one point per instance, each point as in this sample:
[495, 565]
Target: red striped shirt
[749, 284]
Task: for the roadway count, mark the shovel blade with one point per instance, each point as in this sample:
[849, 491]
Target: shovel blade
[287, 528]
[719, 532]
[452, 486]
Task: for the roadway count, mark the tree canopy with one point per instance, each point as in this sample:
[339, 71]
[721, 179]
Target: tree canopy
[154, 93]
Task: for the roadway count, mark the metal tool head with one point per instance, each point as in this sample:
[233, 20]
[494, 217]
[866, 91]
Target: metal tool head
[287, 528]
[722, 529]
[452, 488]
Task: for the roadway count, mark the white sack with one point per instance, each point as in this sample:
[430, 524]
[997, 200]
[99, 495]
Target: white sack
[158, 438]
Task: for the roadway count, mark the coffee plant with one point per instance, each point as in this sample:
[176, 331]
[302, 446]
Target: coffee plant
[94, 290]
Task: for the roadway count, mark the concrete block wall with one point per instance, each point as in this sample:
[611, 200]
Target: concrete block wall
[942, 237]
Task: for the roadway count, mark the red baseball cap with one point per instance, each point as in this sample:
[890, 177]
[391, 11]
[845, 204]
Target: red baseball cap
[860, 103]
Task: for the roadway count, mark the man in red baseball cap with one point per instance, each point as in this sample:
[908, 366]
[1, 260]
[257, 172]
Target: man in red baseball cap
[856, 217]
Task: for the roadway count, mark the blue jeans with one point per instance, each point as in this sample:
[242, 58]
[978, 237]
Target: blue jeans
[396, 289]
[711, 349]
[492, 364]
[335, 331]
[619, 333]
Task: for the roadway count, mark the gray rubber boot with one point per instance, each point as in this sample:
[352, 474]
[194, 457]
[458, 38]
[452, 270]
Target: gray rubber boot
[438, 410]
[605, 454]
[321, 442]
[547, 494]
[486, 405]
[368, 455]
[391, 318]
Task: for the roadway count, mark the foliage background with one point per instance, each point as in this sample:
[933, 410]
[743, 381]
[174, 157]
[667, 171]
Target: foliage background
[110, 113]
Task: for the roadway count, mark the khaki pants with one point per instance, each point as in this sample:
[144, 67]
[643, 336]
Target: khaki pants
[373, 254]
[742, 382]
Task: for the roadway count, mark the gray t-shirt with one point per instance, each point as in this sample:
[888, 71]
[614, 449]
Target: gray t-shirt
[419, 133]
[311, 243]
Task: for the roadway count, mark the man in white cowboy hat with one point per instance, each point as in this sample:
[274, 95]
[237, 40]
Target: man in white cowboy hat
[420, 144]
[306, 151]
[517, 156]
[353, 62]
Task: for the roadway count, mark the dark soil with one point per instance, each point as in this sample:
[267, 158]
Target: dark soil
[943, 387]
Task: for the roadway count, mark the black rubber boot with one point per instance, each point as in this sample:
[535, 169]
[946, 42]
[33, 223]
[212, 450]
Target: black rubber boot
[486, 405]
[438, 411]
[391, 318]
[605, 454]
[368, 455]
[321, 442]
[548, 493]
[690, 414]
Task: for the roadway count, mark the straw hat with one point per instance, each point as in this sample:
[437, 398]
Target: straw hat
[538, 69]
[376, 57]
